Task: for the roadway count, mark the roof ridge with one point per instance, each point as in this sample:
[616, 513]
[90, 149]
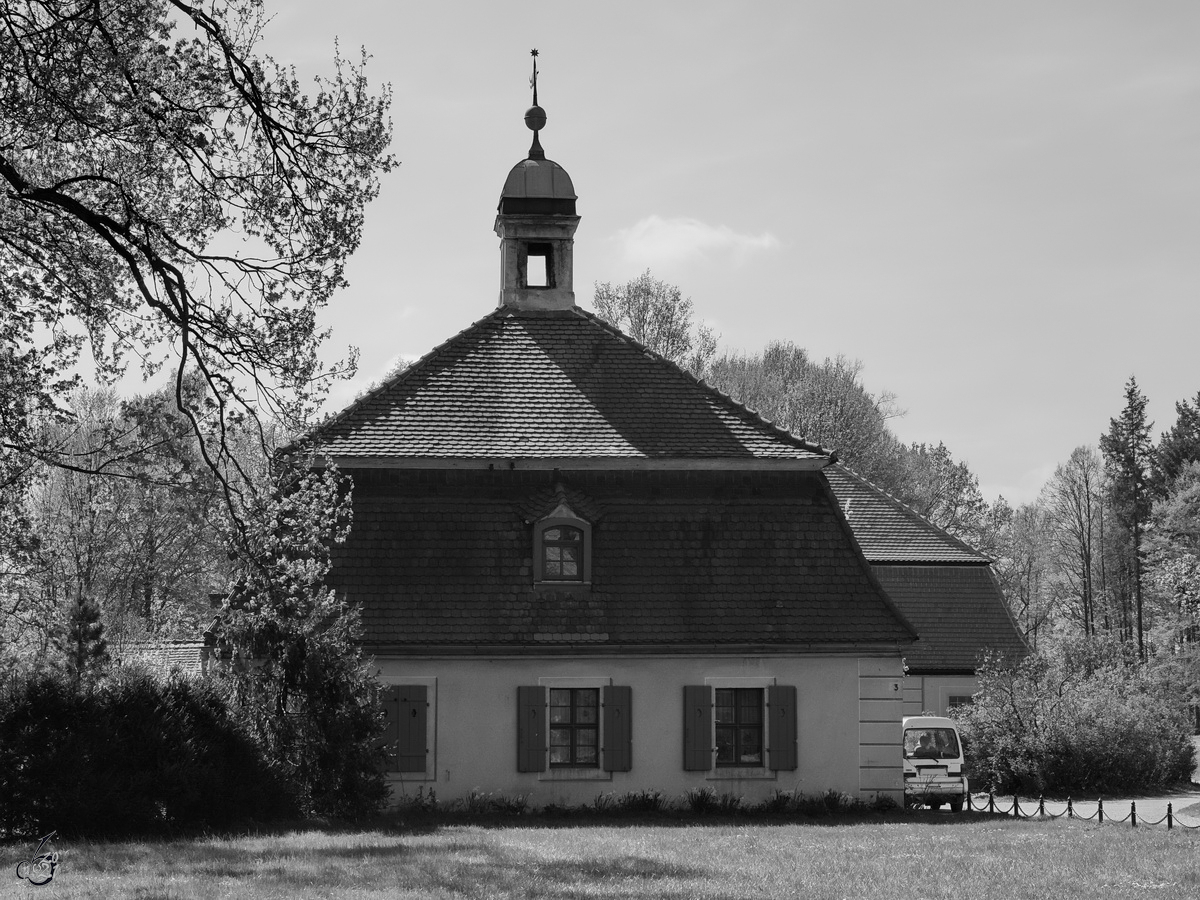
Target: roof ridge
[895, 501]
[704, 385]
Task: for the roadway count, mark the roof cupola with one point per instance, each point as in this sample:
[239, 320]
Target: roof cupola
[536, 223]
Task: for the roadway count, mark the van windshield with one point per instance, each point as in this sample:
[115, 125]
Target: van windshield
[930, 743]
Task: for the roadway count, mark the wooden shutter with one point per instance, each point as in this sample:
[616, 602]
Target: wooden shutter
[389, 695]
[412, 728]
[781, 719]
[618, 728]
[531, 729]
[697, 728]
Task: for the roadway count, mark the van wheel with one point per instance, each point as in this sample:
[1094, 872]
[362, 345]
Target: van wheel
[956, 804]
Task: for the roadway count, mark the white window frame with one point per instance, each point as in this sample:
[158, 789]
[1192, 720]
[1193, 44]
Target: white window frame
[580, 773]
[734, 773]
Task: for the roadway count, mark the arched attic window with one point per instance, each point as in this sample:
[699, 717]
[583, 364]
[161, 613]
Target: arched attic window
[562, 548]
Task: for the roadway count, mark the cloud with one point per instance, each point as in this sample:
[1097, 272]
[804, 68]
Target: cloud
[658, 240]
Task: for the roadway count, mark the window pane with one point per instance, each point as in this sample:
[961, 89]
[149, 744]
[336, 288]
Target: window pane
[560, 756]
[560, 737]
[560, 714]
[750, 707]
[751, 747]
[586, 715]
[570, 570]
[725, 708]
[560, 696]
[725, 746]
[552, 534]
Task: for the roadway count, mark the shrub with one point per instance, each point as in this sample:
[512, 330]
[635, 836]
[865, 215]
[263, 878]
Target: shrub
[648, 801]
[701, 801]
[1078, 719]
[130, 755]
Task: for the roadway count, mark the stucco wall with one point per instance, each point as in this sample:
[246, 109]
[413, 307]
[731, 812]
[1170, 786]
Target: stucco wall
[844, 707]
[932, 693]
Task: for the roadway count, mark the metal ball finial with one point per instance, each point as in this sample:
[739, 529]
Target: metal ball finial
[535, 116]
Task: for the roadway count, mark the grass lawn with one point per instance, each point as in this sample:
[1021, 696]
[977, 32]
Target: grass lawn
[924, 857]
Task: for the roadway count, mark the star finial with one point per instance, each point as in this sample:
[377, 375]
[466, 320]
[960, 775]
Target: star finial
[533, 77]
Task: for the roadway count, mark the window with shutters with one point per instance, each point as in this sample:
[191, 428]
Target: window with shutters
[574, 729]
[739, 728]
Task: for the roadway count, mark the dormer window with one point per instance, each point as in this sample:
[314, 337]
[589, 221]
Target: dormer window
[562, 553]
[562, 548]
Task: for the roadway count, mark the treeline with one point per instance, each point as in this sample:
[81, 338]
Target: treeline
[1112, 544]
[823, 401]
[1110, 547]
[125, 545]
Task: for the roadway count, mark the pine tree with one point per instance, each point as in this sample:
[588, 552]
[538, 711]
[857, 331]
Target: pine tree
[1178, 447]
[1128, 455]
[82, 642]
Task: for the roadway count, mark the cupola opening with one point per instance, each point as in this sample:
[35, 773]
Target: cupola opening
[538, 268]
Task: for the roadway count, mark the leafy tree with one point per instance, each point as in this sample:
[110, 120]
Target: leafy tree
[1078, 716]
[1173, 555]
[136, 139]
[1073, 499]
[1178, 447]
[1128, 455]
[658, 315]
[1023, 569]
[138, 536]
[298, 676]
[946, 492]
[825, 403]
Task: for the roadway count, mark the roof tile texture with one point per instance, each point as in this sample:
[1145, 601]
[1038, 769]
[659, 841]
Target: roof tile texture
[549, 384]
[957, 610]
[680, 558]
[889, 531]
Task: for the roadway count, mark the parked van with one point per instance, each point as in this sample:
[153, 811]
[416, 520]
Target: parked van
[933, 763]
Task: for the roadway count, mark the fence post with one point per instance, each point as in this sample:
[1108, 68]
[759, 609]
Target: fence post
[991, 802]
[1133, 812]
[1016, 807]
[1041, 805]
[1100, 809]
[1170, 821]
[1070, 809]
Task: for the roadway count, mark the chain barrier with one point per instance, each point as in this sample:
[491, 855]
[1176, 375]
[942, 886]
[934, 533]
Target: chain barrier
[991, 807]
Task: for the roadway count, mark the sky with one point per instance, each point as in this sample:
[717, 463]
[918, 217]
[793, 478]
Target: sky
[994, 206]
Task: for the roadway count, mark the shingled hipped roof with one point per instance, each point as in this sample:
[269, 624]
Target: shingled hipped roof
[944, 587]
[958, 611]
[548, 385]
[441, 560]
[890, 532]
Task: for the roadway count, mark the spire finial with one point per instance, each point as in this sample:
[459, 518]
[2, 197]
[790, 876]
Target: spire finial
[533, 77]
[535, 116]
